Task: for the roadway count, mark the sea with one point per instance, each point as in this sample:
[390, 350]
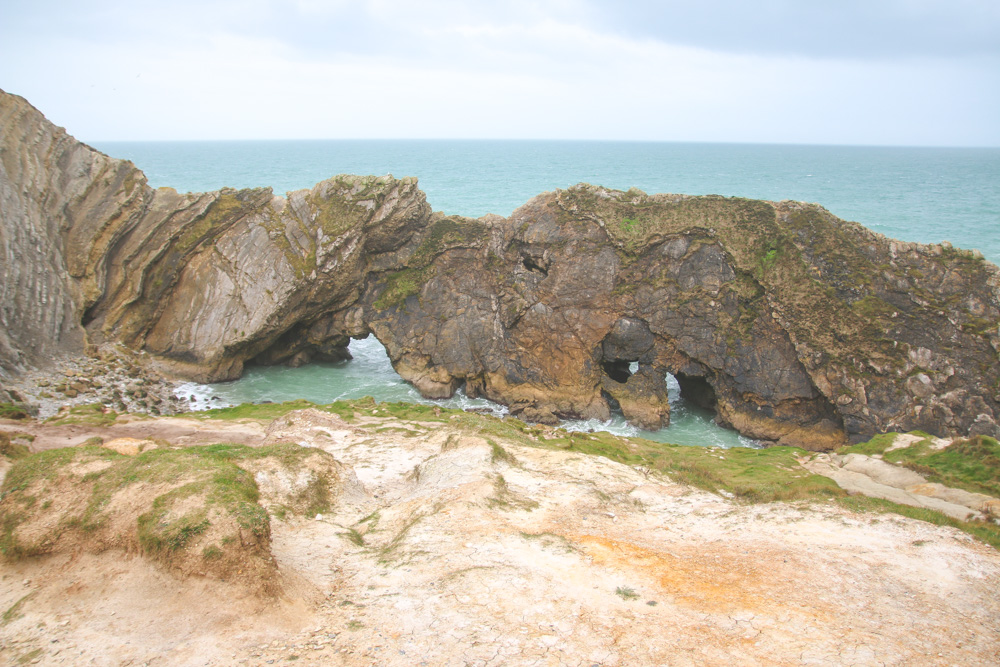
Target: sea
[920, 194]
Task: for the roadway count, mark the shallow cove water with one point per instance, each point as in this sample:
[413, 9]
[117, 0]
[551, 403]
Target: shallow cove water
[915, 194]
[370, 373]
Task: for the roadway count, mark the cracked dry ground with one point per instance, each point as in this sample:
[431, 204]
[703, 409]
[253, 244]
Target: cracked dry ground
[454, 554]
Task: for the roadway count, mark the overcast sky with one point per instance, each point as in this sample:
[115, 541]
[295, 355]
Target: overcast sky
[879, 72]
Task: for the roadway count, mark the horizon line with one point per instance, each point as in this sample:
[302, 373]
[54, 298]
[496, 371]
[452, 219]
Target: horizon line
[548, 140]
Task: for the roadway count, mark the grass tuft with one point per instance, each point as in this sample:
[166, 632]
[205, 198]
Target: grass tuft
[14, 611]
[12, 450]
[626, 593]
[354, 537]
[91, 414]
[12, 411]
[500, 455]
[505, 499]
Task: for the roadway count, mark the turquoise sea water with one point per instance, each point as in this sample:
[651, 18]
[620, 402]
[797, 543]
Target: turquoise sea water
[370, 374]
[915, 194]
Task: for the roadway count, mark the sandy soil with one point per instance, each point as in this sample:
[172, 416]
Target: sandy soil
[450, 556]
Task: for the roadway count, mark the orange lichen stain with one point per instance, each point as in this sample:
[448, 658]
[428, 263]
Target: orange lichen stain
[709, 579]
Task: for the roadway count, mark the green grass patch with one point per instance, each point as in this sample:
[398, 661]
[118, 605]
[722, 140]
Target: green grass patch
[211, 552]
[401, 285]
[199, 483]
[500, 455]
[768, 260]
[91, 414]
[626, 593]
[347, 409]
[158, 535]
[622, 450]
[12, 450]
[984, 531]
[48, 464]
[443, 234]
[315, 497]
[972, 464]
[876, 445]
[505, 499]
[214, 479]
[263, 411]
[401, 430]
[415, 411]
[354, 537]
[390, 552]
[12, 411]
[873, 308]
[751, 475]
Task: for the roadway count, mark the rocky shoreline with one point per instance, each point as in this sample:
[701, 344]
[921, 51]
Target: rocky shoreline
[117, 378]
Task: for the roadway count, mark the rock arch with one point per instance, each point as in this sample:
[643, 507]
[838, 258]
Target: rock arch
[747, 323]
[799, 327]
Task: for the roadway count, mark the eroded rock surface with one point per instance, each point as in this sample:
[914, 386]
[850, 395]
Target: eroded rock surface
[795, 326]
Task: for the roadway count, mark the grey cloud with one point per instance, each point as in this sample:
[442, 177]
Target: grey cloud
[827, 28]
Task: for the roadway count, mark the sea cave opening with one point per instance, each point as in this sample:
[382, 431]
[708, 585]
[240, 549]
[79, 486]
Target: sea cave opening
[695, 389]
[693, 410]
[620, 370]
[686, 393]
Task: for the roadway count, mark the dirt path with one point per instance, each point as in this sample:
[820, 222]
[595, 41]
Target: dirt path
[175, 430]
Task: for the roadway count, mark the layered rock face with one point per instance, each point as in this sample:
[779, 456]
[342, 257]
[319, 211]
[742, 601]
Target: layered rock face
[202, 282]
[793, 325]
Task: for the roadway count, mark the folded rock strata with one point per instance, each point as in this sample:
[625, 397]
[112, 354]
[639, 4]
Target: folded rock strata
[793, 325]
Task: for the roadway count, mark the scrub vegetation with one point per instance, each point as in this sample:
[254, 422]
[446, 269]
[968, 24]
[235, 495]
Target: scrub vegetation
[12, 411]
[90, 414]
[195, 509]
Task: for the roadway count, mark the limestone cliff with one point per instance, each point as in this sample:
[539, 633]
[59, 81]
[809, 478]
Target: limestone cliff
[793, 325]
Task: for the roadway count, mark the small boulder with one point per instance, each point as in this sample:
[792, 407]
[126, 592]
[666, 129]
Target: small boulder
[129, 446]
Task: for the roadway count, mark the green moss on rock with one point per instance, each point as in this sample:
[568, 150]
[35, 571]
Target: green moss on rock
[401, 285]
